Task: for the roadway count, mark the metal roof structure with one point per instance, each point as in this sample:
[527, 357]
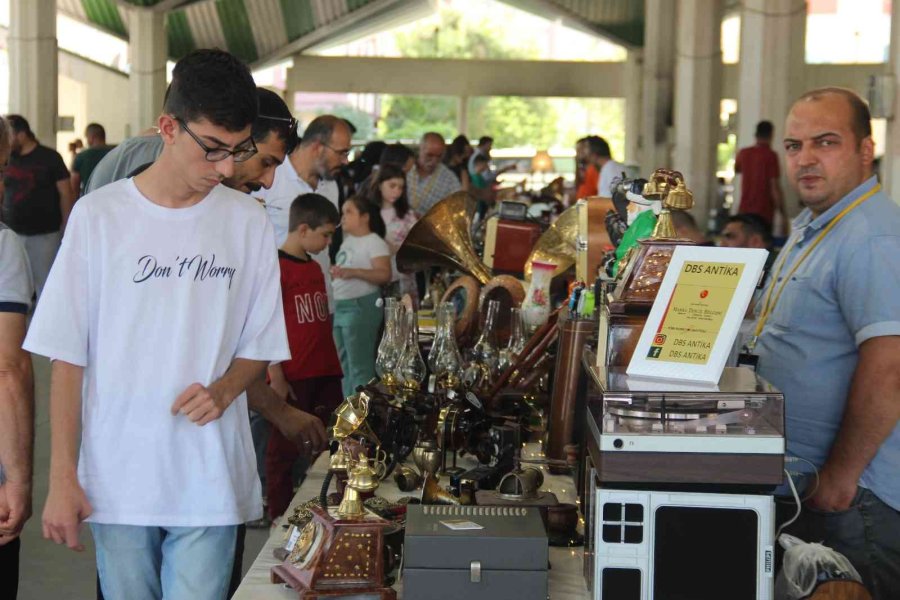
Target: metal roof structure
[261, 32]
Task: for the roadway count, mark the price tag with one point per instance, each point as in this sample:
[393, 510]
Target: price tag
[461, 525]
[292, 541]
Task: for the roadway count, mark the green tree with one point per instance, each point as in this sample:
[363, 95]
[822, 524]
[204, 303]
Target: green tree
[363, 121]
[510, 121]
[408, 117]
[514, 121]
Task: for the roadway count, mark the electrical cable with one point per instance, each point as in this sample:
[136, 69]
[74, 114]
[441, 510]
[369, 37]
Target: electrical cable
[815, 470]
[799, 505]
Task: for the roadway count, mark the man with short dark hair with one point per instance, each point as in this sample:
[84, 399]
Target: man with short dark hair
[430, 181]
[37, 197]
[86, 160]
[311, 168]
[829, 337]
[586, 175]
[162, 307]
[599, 155]
[760, 186]
[686, 228]
[274, 132]
[746, 231]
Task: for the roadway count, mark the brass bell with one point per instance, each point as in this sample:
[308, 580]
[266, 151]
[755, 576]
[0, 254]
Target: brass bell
[665, 228]
[651, 189]
[661, 183]
[362, 479]
[680, 198]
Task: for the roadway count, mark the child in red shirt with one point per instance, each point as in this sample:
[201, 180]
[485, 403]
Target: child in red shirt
[311, 379]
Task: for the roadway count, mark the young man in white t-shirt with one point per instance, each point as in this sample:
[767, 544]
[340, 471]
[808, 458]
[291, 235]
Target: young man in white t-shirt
[163, 305]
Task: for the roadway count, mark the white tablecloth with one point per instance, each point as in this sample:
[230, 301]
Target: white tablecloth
[566, 580]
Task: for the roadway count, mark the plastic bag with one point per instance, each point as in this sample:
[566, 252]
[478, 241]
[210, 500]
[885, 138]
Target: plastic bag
[808, 564]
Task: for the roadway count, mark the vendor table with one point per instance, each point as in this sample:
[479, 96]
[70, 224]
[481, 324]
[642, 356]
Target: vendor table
[566, 580]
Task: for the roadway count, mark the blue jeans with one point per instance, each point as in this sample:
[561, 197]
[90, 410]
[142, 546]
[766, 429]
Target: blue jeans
[175, 563]
[867, 533]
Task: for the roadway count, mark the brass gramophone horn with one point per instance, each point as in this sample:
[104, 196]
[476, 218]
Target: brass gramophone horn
[434, 493]
[442, 238]
[557, 245]
[350, 418]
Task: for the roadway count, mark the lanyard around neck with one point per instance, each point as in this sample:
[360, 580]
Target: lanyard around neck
[772, 300]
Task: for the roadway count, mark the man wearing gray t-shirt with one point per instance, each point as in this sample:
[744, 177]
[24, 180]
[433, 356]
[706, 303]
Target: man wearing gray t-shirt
[16, 395]
[16, 406]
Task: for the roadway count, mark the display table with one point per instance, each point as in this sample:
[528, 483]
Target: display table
[566, 580]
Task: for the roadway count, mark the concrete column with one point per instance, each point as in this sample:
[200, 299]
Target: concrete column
[148, 49]
[634, 67]
[33, 68]
[698, 85]
[773, 37]
[659, 83]
[890, 167]
[771, 69]
[462, 115]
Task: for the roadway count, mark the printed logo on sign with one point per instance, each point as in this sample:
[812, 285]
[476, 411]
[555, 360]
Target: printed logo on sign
[659, 339]
[704, 293]
[654, 352]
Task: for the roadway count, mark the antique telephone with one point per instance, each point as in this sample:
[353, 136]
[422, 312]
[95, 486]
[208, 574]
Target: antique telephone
[340, 551]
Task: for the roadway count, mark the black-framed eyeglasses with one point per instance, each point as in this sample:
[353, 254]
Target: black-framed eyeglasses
[342, 153]
[292, 137]
[244, 150]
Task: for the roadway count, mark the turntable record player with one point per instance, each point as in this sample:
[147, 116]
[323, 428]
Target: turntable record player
[645, 431]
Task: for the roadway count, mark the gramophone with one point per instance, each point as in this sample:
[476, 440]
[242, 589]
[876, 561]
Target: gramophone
[644, 270]
[578, 237]
[442, 238]
[339, 553]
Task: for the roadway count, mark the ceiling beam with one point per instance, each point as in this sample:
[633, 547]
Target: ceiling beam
[370, 18]
[551, 10]
[456, 77]
[160, 6]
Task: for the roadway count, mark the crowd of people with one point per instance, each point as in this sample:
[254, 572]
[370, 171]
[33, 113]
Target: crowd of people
[156, 330]
[193, 365]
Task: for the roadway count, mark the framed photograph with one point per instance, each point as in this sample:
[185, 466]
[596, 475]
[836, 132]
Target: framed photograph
[697, 313]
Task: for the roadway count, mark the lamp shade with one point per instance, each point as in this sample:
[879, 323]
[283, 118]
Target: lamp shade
[541, 162]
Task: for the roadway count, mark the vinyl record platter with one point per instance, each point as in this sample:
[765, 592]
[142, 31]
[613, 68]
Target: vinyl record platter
[670, 432]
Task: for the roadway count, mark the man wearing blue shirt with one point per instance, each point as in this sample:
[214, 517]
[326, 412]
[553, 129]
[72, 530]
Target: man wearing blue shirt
[829, 336]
